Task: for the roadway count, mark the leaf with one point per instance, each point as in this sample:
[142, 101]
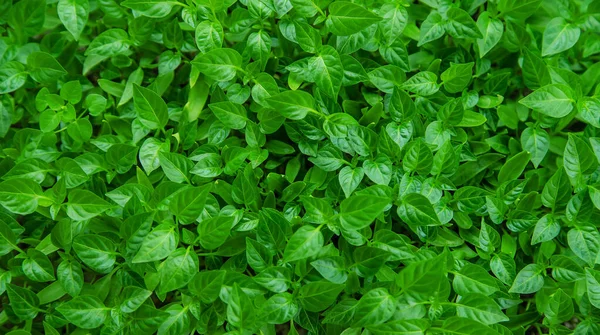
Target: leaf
[461, 25]
[559, 308]
[157, 245]
[514, 167]
[553, 100]
[213, 232]
[432, 28]
[327, 71]
[219, 64]
[349, 179]
[24, 303]
[480, 308]
[150, 8]
[12, 76]
[464, 326]
[537, 142]
[378, 170]
[20, 196]
[416, 210]
[293, 105]
[346, 18]
[232, 115]
[95, 251]
[473, 279]
[457, 77]
[177, 270]
[305, 243]
[413, 326]
[559, 36]
[70, 276]
[491, 29]
[84, 205]
[546, 229]
[240, 311]
[528, 280]
[360, 210]
[150, 107]
[133, 297]
[317, 296]
[535, 71]
[38, 267]
[74, 15]
[44, 68]
[86, 312]
[423, 83]
[375, 307]
[585, 243]
[188, 204]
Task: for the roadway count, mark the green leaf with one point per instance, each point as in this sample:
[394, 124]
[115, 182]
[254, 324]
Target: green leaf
[150, 107]
[400, 327]
[232, 115]
[465, 326]
[177, 270]
[240, 310]
[133, 298]
[461, 25]
[346, 18]
[375, 307]
[378, 170]
[95, 251]
[416, 210]
[553, 100]
[559, 308]
[306, 242]
[44, 68]
[546, 229]
[21, 196]
[327, 71]
[74, 15]
[528, 280]
[188, 204]
[293, 105]
[480, 308]
[473, 279]
[317, 296]
[12, 76]
[360, 210]
[423, 83]
[84, 205]
[557, 190]
[70, 277]
[280, 308]
[24, 303]
[219, 64]
[432, 28]
[514, 167]
[38, 267]
[535, 71]
[157, 245]
[350, 178]
[85, 311]
[585, 243]
[491, 29]
[537, 142]
[150, 8]
[206, 285]
[457, 77]
[559, 36]
[578, 159]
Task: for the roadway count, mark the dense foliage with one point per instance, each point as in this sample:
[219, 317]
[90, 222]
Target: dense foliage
[300, 166]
